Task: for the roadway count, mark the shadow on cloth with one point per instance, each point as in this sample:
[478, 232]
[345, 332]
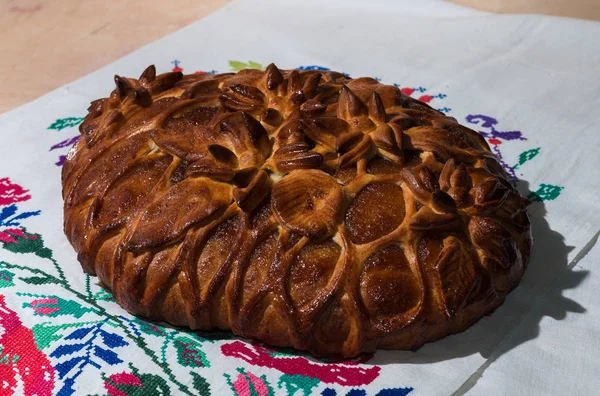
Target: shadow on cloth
[489, 337]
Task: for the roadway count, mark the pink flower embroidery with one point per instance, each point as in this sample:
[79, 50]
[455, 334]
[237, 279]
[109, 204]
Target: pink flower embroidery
[45, 306]
[10, 235]
[121, 379]
[248, 384]
[11, 193]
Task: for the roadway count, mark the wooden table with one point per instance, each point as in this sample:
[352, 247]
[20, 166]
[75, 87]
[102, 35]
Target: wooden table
[586, 9]
[46, 43]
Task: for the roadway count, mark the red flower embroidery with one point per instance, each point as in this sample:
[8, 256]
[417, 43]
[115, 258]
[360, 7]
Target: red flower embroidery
[45, 306]
[20, 348]
[121, 379]
[10, 235]
[347, 373]
[11, 193]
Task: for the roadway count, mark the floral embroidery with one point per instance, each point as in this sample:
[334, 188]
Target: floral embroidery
[22, 364]
[248, 384]
[63, 123]
[12, 193]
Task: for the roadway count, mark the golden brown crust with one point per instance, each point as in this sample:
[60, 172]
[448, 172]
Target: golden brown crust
[300, 208]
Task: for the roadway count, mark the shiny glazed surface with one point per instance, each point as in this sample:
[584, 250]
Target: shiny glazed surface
[300, 208]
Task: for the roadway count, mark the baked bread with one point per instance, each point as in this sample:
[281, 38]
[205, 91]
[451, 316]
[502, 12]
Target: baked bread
[299, 208]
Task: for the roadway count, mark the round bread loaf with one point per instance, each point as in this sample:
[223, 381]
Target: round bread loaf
[299, 208]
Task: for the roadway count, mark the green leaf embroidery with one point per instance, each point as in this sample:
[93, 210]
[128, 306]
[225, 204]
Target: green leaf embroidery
[44, 334]
[34, 243]
[237, 65]
[6, 278]
[254, 65]
[189, 353]
[39, 280]
[63, 123]
[546, 192]
[200, 384]
[52, 306]
[150, 328]
[153, 385]
[103, 295]
[527, 156]
[70, 307]
[296, 382]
